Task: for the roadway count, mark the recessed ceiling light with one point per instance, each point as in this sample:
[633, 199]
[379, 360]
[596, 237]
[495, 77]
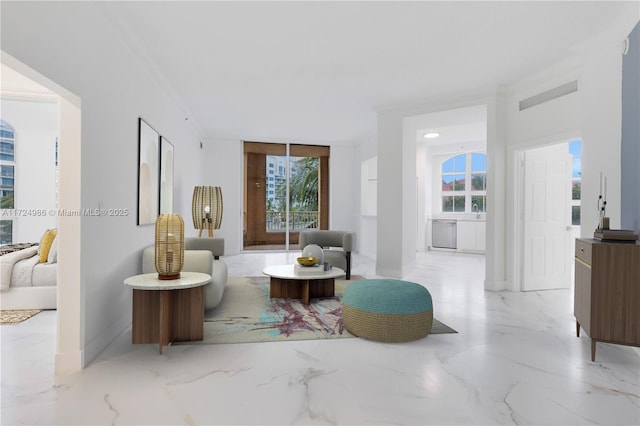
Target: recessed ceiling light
[431, 135]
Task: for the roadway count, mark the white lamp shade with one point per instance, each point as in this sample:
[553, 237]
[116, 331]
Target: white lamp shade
[314, 250]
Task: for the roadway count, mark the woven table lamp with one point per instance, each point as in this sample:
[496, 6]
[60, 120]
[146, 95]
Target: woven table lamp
[206, 208]
[169, 246]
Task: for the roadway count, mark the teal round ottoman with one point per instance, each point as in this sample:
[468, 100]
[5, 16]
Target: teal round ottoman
[387, 310]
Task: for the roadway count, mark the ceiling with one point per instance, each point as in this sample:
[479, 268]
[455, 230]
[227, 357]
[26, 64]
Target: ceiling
[317, 72]
[455, 127]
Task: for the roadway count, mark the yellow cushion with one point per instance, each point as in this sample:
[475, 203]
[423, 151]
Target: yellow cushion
[45, 245]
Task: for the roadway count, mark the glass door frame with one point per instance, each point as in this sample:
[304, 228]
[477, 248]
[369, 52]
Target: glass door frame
[255, 175]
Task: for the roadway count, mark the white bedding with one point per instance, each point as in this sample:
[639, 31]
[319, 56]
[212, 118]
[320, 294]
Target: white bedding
[44, 275]
[28, 273]
[22, 272]
[21, 269]
[8, 261]
[25, 283]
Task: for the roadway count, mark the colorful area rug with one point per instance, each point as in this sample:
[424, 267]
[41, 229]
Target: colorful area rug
[17, 316]
[247, 314]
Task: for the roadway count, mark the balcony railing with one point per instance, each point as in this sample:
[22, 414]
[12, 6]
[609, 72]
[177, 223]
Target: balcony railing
[299, 220]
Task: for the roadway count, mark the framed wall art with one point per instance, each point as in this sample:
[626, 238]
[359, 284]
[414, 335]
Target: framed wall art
[166, 176]
[148, 170]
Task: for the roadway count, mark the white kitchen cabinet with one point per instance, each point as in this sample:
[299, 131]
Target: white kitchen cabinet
[471, 236]
[481, 236]
[466, 235]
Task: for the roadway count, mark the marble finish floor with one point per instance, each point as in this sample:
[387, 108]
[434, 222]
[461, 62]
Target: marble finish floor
[515, 360]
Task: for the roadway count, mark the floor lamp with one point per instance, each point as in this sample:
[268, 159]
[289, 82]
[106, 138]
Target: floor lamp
[206, 208]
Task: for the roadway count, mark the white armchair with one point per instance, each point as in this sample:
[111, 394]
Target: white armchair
[200, 255]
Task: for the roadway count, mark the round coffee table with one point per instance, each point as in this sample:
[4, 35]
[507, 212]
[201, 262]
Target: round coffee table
[293, 282]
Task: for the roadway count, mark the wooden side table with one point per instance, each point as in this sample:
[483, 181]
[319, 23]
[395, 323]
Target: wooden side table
[166, 311]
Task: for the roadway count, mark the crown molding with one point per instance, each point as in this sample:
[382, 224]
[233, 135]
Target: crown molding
[29, 96]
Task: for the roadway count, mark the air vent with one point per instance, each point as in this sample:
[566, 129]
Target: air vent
[549, 95]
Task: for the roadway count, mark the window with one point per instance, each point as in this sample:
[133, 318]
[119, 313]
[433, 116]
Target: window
[7, 165]
[478, 182]
[6, 150]
[453, 183]
[6, 231]
[575, 149]
[7, 182]
[464, 183]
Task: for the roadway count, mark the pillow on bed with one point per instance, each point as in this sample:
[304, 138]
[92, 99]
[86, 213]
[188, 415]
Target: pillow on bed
[53, 251]
[42, 240]
[45, 244]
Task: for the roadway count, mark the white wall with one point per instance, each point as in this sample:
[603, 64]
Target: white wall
[344, 184]
[115, 87]
[367, 240]
[631, 134]
[422, 181]
[496, 243]
[223, 167]
[35, 125]
[601, 122]
[391, 258]
[70, 296]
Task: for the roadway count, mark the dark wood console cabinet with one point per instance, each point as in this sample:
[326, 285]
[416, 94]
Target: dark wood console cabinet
[607, 292]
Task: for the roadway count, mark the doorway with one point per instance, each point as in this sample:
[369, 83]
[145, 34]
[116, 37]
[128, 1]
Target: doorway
[286, 190]
[70, 322]
[549, 212]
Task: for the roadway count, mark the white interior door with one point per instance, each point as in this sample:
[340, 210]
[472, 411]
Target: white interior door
[547, 218]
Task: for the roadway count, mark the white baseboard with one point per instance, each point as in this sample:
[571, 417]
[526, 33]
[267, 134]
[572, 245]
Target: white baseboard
[496, 285]
[69, 362]
[93, 349]
[395, 272]
[74, 361]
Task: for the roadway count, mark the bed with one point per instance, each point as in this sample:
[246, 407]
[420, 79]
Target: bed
[28, 275]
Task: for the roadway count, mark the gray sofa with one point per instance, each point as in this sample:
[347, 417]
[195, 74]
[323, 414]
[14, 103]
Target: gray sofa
[200, 255]
[337, 246]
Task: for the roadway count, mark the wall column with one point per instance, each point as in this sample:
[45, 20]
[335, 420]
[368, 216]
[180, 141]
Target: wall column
[396, 248]
[495, 274]
[70, 353]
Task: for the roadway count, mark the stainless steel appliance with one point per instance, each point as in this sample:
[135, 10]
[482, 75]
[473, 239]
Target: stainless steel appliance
[444, 233]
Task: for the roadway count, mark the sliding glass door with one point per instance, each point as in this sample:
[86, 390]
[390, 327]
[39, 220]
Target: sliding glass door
[286, 191]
